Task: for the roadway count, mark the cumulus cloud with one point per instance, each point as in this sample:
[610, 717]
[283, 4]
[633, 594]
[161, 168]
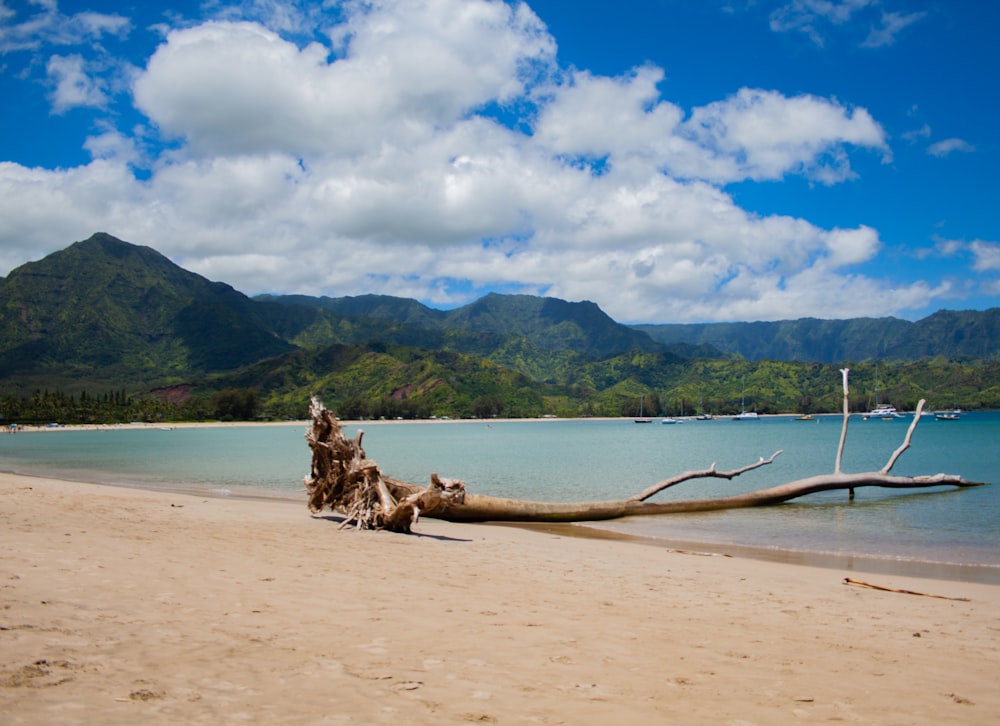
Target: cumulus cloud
[237, 87]
[767, 135]
[436, 149]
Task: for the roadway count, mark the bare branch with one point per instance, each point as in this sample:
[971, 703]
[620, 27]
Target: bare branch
[847, 416]
[906, 441]
[710, 472]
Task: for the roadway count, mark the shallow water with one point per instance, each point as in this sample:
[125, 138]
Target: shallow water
[555, 460]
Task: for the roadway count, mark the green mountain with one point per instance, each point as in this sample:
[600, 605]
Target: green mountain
[954, 334]
[545, 323]
[104, 330]
[111, 310]
[543, 338]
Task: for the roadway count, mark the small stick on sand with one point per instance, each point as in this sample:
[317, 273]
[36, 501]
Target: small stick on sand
[859, 583]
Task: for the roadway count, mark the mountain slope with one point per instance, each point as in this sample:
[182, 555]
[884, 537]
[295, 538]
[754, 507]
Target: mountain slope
[108, 308]
[104, 313]
[953, 334]
[493, 321]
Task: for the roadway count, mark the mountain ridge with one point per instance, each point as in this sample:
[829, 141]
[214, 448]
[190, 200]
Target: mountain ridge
[103, 312]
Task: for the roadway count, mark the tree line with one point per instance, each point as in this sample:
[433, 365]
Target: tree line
[44, 407]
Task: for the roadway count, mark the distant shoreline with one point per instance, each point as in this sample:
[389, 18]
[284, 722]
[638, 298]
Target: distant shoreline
[359, 422]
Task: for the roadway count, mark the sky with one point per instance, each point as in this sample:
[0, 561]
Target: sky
[670, 160]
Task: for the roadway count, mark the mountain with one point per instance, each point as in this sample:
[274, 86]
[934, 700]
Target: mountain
[381, 307]
[952, 334]
[105, 316]
[108, 308]
[546, 323]
[106, 311]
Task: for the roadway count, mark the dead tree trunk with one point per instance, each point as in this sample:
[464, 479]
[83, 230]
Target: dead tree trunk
[345, 480]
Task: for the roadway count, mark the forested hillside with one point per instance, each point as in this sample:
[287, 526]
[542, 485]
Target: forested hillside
[106, 330]
[965, 334]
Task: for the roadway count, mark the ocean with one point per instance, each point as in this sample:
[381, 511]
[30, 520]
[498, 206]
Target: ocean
[941, 531]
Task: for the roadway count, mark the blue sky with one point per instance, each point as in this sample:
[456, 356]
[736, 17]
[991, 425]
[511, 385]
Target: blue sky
[671, 161]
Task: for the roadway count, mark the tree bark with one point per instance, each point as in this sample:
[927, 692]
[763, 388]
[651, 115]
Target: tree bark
[345, 480]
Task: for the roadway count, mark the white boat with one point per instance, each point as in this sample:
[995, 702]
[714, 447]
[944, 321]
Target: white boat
[883, 411]
[672, 419]
[745, 415]
[948, 415]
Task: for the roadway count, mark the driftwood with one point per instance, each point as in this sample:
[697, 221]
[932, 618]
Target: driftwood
[345, 480]
[883, 588]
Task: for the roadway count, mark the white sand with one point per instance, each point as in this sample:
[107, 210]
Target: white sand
[122, 606]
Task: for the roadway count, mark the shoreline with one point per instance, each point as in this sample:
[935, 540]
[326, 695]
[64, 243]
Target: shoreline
[128, 605]
[924, 569]
[24, 428]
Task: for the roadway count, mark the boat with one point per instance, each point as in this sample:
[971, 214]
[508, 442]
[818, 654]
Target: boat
[805, 417]
[745, 415]
[883, 411]
[642, 417]
[672, 419]
[953, 415]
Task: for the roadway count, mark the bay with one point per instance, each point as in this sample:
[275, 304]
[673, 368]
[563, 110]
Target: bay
[570, 460]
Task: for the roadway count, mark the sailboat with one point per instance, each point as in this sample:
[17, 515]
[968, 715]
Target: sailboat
[745, 415]
[884, 410]
[671, 419]
[642, 417]
[953, 415]
[704, 415]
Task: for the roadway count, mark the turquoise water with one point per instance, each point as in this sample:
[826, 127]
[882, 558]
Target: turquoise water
[557, 460]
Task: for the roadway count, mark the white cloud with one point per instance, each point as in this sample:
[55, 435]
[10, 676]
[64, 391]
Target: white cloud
[50, 27]
[814, 17]
[948, 146]
[73, 86]
[807, 16]
[851, 246]
[766, 135]
[596, 116]
[892, 25]
[381, 164]
[45, 210]
[922, 133]
[987, 255]
[410, 69]
[754, 134]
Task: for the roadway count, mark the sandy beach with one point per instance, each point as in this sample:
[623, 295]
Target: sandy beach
[130, 606]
